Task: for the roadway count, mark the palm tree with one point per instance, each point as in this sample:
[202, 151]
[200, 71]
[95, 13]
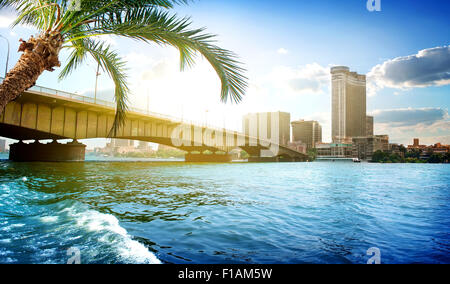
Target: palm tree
[78, 25]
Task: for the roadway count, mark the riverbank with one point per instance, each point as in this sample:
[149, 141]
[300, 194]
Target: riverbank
[411, 158]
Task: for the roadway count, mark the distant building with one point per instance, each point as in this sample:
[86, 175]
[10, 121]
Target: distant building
[437, 148]
[440, 149]
[273, 126]
[308, 132]
[2, 145]
[348, 104]
[122, 143]
[298, 146]
[334, 150]
[143, 145]
[416, 146]
[364, 147]
[369, 125]
[120, 146]
[397, 149]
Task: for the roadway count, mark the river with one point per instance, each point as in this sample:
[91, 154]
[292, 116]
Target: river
[173, 212]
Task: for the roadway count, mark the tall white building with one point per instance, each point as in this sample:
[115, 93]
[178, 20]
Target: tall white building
[348, 104]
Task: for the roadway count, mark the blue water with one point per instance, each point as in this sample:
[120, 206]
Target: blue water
[171, 212]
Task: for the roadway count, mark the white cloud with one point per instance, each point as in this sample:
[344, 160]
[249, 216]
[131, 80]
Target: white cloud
[282, 51]
[429, 67]
[6, 20]
[402, 125]
[410, 116]
[307, 79]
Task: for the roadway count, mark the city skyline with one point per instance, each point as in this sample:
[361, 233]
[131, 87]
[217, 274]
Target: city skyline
[292, 73]
[226, 133]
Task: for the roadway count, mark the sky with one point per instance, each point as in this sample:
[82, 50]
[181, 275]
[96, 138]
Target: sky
[288, 48]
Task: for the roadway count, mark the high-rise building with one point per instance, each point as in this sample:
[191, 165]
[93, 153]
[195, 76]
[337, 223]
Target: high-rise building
[348, 104]
[2, 145]
[273, 126]
[369, 125]
[308, 132]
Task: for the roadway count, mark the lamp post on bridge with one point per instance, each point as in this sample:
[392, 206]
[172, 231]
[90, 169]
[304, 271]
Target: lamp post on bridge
[7, 55]
[96, 82]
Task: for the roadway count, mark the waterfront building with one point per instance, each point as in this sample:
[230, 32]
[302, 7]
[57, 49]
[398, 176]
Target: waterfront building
[273, 126]
[122, 143]
[437, 148]
[307, 132]
[334, 150]
[144, 147]
[298, 146]
[348, 104]
[2, 145]
[121, 146]
[397, 149]
[369, 125]
[364, 147]
[416, 145]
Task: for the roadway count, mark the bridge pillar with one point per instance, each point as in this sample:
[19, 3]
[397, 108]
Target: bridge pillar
[208, 158]
[51, 152]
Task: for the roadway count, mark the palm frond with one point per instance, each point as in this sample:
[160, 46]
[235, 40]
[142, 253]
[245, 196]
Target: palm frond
[111, 63]
[76, 58]
[153, 25]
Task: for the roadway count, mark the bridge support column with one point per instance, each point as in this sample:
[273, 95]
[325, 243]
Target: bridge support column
[51, 152]
[205, 158]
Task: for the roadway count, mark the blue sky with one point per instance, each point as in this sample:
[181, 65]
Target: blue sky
[288, 47]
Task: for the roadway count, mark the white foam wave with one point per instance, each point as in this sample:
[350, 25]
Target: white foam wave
[129, 250]
[49, 219]
[12, 226]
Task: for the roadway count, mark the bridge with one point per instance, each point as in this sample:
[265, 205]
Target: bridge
[42, 114]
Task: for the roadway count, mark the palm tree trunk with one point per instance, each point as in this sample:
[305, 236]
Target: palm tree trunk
[39, 54]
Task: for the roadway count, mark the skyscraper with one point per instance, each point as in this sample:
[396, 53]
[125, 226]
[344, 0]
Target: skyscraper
[369, 125]
[268, 126]
[308, 132]
[348, 104]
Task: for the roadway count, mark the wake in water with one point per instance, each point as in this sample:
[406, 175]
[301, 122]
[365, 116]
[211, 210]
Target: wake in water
[38, 228]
